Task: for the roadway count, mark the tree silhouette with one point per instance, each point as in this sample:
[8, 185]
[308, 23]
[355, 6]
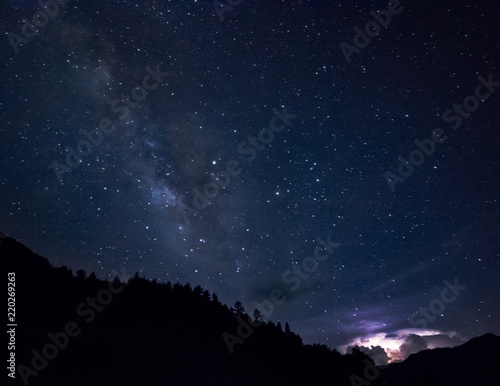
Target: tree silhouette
[238, 308]
[80, 274]
[257, 315]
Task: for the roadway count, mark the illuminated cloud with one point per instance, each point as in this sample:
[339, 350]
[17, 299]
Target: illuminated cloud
[400, 344]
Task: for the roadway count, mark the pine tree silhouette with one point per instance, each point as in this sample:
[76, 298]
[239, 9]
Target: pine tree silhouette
[238, 308]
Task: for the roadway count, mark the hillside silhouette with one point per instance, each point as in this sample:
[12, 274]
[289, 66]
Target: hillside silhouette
[149, 333]
[474, 363]
[74, 329]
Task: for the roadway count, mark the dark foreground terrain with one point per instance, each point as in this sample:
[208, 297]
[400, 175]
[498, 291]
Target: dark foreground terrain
[78, 330]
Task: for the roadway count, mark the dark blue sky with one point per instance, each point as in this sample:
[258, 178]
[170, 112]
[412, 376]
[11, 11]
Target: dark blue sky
[295, 132]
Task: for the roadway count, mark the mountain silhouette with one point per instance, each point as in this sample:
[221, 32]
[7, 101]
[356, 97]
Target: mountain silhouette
[79, 330]
[74, 329]
[474, 363]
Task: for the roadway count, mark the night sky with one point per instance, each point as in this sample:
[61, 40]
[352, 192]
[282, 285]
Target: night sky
[119, 118]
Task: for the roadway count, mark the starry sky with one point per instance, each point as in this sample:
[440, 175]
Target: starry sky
[228, 144]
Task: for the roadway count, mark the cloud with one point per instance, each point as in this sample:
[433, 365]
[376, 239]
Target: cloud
[413, 343]
[400, 344]
[377, 353]
[450, 339]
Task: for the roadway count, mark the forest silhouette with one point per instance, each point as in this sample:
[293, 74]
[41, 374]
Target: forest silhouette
[74, 329]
